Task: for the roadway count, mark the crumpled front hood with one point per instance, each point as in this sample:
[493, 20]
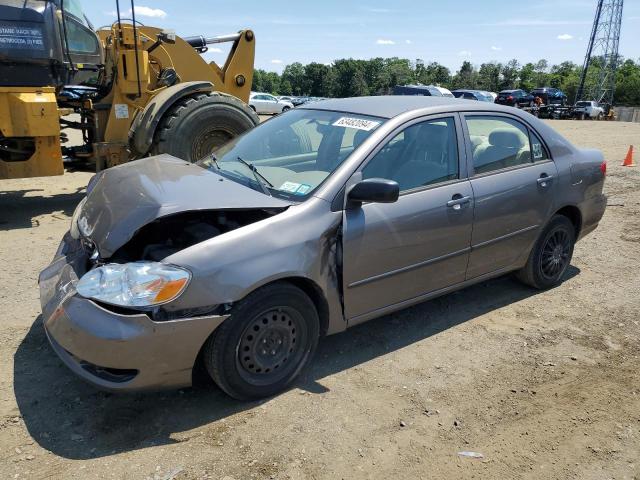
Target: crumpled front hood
[123, 199]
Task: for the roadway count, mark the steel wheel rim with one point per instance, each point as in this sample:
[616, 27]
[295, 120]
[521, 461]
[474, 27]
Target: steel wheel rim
[555, 254]
[272, 346]
[208, 141]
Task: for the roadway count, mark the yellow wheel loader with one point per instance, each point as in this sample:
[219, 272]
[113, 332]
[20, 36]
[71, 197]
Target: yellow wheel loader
[135, 90]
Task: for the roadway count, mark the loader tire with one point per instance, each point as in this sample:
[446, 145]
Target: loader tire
[199, 123]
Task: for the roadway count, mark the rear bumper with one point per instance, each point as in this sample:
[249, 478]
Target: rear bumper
[114, 351]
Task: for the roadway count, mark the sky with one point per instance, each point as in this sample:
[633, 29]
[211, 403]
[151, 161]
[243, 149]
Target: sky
[448, 32]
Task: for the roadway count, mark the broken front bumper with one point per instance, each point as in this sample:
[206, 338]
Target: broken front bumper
[115, 351]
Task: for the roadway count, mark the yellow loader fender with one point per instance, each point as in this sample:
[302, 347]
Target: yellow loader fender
[144, 126]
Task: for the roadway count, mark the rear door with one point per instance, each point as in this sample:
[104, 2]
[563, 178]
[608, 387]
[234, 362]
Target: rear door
[513, 181]
[399, 251]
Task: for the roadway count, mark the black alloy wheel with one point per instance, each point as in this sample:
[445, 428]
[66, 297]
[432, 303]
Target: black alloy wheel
[556, 254]
[551, 255]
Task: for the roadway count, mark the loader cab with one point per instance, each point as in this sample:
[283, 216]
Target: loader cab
[47, 43]
[80, 42]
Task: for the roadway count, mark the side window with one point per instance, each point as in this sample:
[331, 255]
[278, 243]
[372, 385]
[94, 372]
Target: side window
[498, 143]
[422, 154]
[80, 39]
[538, 152]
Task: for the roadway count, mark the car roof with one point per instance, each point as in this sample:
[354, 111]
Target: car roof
[469, 90]
[389, 106]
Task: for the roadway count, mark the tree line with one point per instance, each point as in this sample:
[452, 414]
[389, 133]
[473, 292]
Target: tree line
[378, 76]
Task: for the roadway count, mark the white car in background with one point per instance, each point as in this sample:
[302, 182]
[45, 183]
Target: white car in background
[445, 92]
[589, 109]
[265, 103]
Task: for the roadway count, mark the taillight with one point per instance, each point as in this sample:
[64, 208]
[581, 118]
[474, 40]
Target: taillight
[509, 98]
[603, 167]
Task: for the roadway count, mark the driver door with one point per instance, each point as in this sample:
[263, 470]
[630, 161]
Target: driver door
[395, 253]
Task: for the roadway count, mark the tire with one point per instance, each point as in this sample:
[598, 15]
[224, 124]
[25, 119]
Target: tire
[600, 116]
[285, 108]
[254, 353]
[197, 124]
[550, 256]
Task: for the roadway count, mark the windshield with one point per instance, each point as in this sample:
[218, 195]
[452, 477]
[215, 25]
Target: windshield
[290, 155]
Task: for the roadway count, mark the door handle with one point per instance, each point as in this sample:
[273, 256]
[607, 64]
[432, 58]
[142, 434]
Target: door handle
[457, 201]
[544, 180]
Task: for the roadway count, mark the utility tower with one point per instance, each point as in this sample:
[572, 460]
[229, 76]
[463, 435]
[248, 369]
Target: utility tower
[602, 53]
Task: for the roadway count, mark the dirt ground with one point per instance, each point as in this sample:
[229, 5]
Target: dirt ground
[544, 385]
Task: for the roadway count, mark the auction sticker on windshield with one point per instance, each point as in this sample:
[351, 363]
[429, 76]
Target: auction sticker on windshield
[290, 187]
[357, 123]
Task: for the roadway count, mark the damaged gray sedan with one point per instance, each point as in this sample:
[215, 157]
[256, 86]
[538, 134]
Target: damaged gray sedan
[317, 220]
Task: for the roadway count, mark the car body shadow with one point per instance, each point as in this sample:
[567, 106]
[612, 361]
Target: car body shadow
[74, 420]
[17, 210]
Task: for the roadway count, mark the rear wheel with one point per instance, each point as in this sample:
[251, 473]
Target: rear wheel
[551, 255]
[262, 347]
[285, 108]
[200, 123]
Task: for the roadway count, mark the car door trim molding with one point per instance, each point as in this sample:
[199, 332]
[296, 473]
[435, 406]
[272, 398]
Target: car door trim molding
[408, 268]
[510, 169]
[504, 237]
[424, 297]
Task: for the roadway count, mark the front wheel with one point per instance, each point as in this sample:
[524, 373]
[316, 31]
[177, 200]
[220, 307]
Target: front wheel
[265, 343]
[551, 255]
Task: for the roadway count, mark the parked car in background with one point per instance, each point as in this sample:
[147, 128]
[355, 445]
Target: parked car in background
[515, 98]
[494, 95]
[422, 90]
[589, 109]
[336, 213]
[285, 98]
[265, 103]
[297, 101]
[550, 95]
[445, 92]
[479, 95]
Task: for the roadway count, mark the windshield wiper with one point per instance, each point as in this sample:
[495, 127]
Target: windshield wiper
[214, 159]
[262, 181]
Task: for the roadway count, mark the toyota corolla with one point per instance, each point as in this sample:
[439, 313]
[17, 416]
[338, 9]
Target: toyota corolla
[322, 218]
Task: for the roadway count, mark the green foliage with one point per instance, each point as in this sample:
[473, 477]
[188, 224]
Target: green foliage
[350, 77]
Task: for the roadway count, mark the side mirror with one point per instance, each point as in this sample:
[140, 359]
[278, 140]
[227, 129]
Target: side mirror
[375, 190]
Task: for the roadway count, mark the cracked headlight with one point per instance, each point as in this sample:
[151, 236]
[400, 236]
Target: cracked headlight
[135, 284]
